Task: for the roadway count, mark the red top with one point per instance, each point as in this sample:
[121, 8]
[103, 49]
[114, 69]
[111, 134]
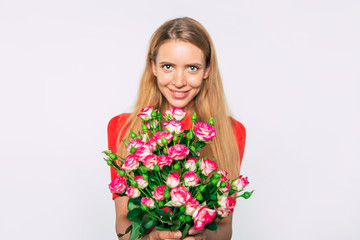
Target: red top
[116, 123]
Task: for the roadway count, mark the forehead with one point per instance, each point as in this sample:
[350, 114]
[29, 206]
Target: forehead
[178, 51]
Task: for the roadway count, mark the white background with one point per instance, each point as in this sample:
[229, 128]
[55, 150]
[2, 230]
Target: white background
[291, 75]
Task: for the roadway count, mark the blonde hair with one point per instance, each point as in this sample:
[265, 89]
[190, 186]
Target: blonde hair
[210, 101]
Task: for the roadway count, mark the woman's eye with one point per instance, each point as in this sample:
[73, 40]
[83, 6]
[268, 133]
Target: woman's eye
[166, 66]
[193, 68]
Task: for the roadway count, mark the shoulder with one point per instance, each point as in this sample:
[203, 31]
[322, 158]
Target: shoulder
[238, 127]
[117, 122]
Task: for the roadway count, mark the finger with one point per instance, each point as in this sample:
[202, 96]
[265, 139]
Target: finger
[169, 234]
[193, 231]
[200, 236]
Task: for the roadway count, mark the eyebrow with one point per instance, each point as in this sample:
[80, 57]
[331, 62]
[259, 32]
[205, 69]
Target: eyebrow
[190, 64]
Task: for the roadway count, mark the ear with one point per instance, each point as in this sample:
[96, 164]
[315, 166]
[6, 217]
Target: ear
[153, 65]
[206, 73]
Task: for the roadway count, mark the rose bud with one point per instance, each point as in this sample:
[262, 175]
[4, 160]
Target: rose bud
[118, 185]
[246, 195]
[199, 196]
[132, 192]
[194, 117]
[173, 180]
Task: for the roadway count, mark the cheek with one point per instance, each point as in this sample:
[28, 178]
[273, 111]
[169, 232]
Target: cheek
[195, 81]
[163, 79]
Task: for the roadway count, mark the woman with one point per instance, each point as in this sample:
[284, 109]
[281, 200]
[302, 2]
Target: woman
[182, 71]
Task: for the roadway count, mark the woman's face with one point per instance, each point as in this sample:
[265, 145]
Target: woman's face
[180, 70]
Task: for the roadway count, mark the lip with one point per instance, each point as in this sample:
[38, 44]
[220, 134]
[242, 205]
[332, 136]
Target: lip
[179, 94]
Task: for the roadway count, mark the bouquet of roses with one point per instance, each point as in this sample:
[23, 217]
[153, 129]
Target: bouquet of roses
[169, 186]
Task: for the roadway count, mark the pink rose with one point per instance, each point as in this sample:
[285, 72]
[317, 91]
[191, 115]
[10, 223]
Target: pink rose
[178, 152]
[239, 183]
[207, 166]
[164, 160]
[190, 164]
[132, 192]
[222, 172]
[173, 126]
[157, 137]
[146, 113]
[141, 182]
[130, 163]
[223, 212]
[135, 143]
[159, 192]
[143, 151]
[152, 142]
[203, 215]
[204, 131]
[173, 180]
[191, 179]
[148, 202]
[179, 196]
[191, 206]
[118, 185]
[226, 188]
[149, 161]
[226, 202]
[175, 113]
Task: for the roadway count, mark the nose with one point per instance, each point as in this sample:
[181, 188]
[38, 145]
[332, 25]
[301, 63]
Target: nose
[179, 79]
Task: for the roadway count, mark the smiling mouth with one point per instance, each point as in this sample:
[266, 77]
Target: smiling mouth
[179, 94]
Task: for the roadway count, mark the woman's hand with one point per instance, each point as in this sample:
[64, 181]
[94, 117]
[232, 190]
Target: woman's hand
[162, 235]
[196, 234]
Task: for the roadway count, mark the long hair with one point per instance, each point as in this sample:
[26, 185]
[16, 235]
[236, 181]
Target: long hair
[209, 102]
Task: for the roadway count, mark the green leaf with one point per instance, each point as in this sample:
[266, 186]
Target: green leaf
[132, 205]
[185, 230]
[199, 145]
[162, 228]
[184, 140]
[133, 213]
[149, 224]
[212, 226]
[174, 227]
[126, 231]
[161, 212]
[135, 232]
